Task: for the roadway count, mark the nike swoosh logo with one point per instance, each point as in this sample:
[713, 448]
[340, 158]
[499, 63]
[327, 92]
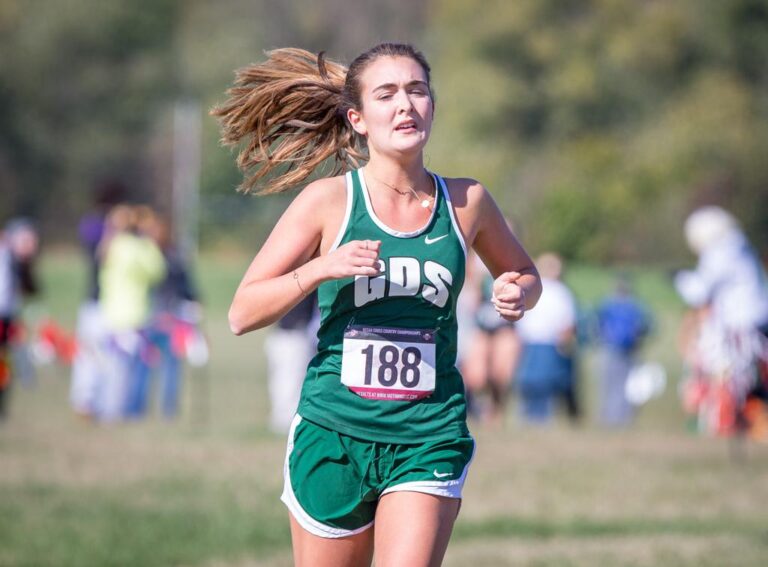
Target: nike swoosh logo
[428, 240]
[441, 474]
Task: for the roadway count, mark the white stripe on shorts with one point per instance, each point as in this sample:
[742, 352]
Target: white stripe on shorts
[446, 488]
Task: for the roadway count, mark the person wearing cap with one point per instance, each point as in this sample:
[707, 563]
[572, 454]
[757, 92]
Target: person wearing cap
[728, 294]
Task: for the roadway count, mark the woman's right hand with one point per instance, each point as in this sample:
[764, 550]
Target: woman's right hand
[355, 258]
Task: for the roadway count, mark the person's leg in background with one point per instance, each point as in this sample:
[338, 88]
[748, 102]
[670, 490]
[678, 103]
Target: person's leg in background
[5, 365]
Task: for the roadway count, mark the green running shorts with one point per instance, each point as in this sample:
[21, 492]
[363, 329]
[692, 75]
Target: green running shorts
[333, 482]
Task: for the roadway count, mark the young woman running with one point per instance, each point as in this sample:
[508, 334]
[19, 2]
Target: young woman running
[379, 450]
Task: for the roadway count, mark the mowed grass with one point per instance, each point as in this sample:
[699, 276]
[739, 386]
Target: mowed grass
[204, 490]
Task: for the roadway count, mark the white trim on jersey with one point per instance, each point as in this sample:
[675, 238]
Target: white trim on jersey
[300, 515]
[453, 215]
[381, 224]
[347, 213]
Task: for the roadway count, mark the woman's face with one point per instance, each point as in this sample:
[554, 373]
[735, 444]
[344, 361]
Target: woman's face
[397, 111]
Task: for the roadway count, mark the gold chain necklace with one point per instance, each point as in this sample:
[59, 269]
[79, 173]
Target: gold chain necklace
[424, 202]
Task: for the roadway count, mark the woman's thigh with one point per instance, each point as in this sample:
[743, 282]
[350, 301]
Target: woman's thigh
[413, 529]
[310, 550]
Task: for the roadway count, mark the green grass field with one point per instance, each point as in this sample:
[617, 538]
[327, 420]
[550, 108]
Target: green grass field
[204, 490]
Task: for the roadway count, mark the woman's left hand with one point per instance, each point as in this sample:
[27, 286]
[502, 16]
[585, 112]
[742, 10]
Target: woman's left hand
[508, 297]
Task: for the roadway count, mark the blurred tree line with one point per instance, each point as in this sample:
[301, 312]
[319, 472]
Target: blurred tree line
[598, 124]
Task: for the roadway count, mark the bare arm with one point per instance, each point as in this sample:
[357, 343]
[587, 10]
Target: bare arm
[517, 287]
[293, 261]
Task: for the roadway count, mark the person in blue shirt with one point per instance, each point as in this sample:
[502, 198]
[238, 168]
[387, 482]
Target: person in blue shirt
[622, 324]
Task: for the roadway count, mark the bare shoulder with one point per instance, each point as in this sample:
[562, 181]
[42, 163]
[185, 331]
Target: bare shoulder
[323, 196]
[319, 201]
[464, 191]
[320, 209]
[469, 198]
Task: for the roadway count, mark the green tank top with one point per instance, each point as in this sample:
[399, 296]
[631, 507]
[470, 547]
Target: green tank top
[391, 338]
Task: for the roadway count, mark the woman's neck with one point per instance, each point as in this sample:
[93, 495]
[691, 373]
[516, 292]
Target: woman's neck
[396, 173]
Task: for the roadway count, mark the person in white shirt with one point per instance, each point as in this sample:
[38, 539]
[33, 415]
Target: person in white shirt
[728, 290]
[548, 334]
[729, 276]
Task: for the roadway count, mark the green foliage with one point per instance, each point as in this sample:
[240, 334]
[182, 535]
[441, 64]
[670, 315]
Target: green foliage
[617, 117]
[597, 124]
[83, 87]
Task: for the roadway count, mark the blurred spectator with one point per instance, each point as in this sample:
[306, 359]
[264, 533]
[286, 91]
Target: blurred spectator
[548, 334]
[492, 349]
[289, 347]
[622, 324]
[729, 276]
[727, 345]
[132, 265]
[18, 249]
[175, 309]
[89, 364]
[92, 226]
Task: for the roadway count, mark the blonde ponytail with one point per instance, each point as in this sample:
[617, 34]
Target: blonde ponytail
[289, 112]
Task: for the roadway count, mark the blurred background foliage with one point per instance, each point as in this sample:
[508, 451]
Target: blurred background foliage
[597, 124]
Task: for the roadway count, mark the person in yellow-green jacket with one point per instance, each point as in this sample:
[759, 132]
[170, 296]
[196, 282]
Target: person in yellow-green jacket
[132, 265]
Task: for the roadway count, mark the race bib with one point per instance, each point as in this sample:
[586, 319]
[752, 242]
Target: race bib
[383, 363]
